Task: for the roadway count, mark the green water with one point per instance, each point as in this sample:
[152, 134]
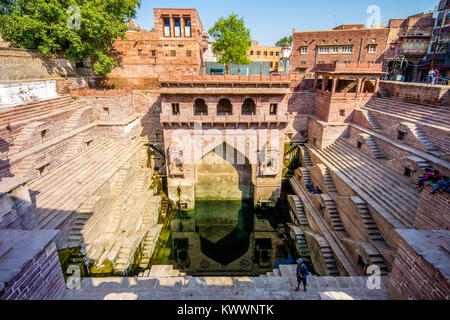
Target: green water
[220, 237]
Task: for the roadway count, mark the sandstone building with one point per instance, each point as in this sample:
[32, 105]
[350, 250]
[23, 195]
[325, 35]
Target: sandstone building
[118, 193]
[343, 44]
[356, 44]
[258, 53]
[175, 45]
[410, 38]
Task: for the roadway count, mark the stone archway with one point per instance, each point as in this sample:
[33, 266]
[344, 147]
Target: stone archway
[222, 177]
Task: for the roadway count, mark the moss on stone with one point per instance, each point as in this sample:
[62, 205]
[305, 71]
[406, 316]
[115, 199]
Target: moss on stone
[105, 269]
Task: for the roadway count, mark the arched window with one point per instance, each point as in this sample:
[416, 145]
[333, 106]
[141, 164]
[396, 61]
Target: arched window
[200, 107]
[248, 107]
[224, 107]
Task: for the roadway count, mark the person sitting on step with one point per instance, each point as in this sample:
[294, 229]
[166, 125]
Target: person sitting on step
[426, 177]
[436, 176]
[310, 186]
[317, 191]
[302, 273]
[443, 184]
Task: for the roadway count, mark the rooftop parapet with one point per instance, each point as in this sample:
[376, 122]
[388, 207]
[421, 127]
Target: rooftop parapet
[349, 68]
[179, 78]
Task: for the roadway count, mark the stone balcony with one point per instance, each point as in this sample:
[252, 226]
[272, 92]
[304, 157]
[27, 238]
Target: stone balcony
[225, 119]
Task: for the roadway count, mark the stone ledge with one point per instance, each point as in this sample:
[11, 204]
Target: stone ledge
[26, 245]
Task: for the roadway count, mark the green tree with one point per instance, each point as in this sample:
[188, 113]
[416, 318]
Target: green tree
[282, 41]
[78, 28]
[232, 40]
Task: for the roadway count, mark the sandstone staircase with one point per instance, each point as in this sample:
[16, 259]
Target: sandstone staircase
[423, 138]
[427, 114]
[305, 174]
[373, 121]
[157, 150]
[73, 149]
[60, 193]
[301, 243]
[74, 119]
[118, 183]
[173, 285]
[26, 166]
[330, 261]
[151, 239]
[329, 181]
[20, 143]
[299, 209]
[332, 211]
[375, 149]
[369, 222]
[394, 196]
[84, 213]
[306, 157]
[35, 109]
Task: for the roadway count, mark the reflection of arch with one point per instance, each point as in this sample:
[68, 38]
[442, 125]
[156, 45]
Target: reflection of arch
[224, 107]
[248, 107]
[200, 107]
[235, 244]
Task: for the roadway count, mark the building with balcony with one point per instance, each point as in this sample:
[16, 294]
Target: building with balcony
[348, 44]
[175, 44]
[408, 42]
[438, 55]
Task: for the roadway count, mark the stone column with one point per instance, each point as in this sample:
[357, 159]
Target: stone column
[324, 83]
[377, 85]
[363, 83]
[333, 87]
[358, 86]
[315, 82]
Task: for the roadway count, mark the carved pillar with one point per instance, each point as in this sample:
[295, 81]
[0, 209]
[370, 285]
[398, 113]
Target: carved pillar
[324, 83]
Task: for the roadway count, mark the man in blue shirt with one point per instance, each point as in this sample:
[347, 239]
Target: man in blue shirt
[310, 186]
[302, 273]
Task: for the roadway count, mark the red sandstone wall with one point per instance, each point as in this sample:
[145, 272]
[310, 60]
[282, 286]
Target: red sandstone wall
[414, 278]
[434, 211]
[40, 279]
[315, 38]
[417, 93]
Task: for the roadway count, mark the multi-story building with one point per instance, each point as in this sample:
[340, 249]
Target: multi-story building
[438, 56]
[258, 53]
[176, 44]
[408, 42]
[344, 44]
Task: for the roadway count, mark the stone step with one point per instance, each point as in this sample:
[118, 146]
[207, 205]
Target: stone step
[65, 207]
[380, 182]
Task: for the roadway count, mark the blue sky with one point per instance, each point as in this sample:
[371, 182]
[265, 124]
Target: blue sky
[269, 21]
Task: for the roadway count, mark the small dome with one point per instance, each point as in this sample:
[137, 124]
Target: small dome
[132, 26]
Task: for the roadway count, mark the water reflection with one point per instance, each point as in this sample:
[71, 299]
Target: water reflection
[224, 238]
